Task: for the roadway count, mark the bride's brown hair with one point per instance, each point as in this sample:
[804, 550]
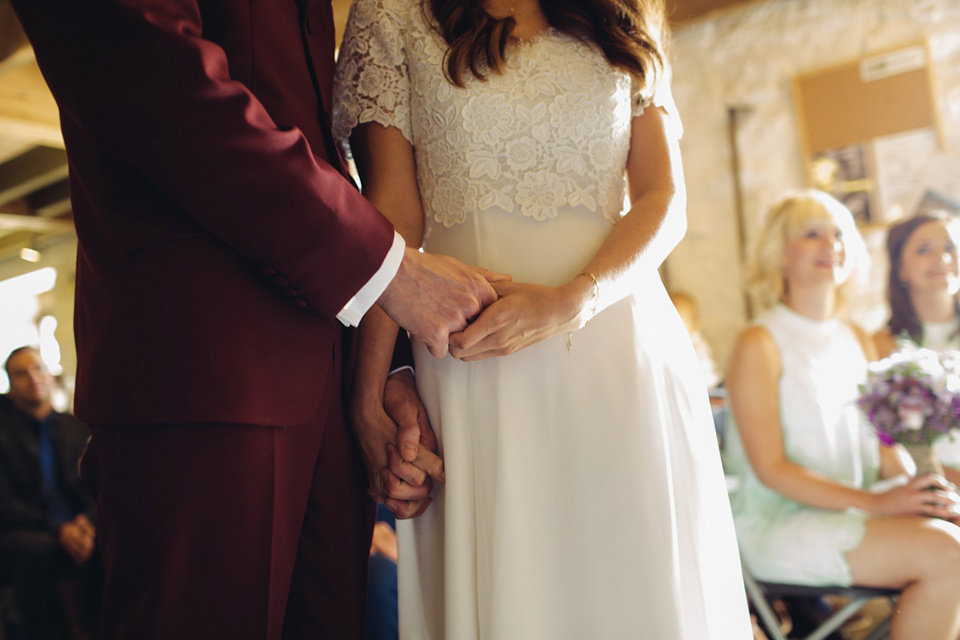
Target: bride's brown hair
[630, 33]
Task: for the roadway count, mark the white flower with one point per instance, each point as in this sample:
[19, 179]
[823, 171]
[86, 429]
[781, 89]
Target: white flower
[521, 153]
[372, 81]
[453, 197]
[911, 417]
[540, 195]
[573, 115]
[486, 117]
[601, 151]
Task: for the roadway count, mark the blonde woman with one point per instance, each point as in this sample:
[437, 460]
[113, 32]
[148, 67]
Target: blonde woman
[805, 512]
[922, 288]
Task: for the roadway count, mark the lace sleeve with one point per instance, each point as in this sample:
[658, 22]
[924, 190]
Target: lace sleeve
[663, 98]
[371, 82]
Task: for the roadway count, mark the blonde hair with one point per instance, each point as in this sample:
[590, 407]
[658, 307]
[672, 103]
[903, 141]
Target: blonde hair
[765, 275]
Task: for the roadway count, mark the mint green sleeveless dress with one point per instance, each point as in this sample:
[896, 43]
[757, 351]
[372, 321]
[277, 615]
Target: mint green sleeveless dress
[782, 540]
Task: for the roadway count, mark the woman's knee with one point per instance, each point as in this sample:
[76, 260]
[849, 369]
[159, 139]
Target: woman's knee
[938, 542]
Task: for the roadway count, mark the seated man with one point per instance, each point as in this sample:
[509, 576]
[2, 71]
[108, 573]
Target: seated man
[47, 531]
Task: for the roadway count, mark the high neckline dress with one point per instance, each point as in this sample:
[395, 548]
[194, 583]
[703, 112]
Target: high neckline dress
[783, 540]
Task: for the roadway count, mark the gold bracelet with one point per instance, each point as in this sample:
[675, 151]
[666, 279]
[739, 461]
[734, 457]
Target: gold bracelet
[596, 295]
[593, 307]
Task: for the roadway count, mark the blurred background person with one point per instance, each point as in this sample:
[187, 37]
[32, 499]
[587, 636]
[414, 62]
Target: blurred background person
[806, 458]
[47, 530]
[689, 312]
[382, 615]
[922, 291]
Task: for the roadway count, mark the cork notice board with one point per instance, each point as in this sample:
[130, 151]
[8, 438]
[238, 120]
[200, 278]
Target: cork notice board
[842, 110]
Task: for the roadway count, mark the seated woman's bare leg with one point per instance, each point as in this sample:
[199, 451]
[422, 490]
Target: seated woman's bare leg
[922, 557]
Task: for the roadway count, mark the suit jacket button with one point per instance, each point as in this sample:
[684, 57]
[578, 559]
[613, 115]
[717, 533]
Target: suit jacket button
[290, 291]
[280, 281]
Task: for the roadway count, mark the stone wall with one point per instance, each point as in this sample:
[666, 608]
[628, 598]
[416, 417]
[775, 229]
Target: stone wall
[746, 59]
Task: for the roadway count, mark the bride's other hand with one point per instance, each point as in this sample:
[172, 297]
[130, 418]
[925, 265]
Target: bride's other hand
[402, 485]
[412, 458]
[523, 315]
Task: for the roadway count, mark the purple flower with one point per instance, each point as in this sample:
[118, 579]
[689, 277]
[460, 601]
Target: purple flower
[913, 396]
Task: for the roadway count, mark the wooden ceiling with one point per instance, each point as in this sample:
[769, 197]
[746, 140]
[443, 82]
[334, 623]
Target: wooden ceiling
[34, 200]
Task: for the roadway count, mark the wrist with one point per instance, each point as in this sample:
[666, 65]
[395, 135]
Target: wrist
[585, 292]
[365, 407]
[868, 502]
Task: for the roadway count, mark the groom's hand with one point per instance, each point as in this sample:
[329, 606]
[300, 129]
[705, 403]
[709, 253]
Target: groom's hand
[433, 296]
[413, 462]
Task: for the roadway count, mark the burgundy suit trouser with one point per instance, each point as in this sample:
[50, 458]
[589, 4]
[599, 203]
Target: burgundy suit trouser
[231, 531]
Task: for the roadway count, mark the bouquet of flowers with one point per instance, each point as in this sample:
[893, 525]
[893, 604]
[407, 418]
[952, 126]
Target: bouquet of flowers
[913, 396]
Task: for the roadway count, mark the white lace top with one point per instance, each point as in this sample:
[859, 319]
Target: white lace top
[544, 136]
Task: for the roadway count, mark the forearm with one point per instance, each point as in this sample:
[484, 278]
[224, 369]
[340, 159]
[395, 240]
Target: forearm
[377, 336]
[810, 488]
[637, 245]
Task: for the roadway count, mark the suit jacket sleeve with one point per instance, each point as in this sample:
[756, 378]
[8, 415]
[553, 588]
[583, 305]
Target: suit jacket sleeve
[139, 78]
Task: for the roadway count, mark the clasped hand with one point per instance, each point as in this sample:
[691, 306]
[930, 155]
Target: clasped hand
[929, 495]
[523, 314]
[399, 448]
[77, 538]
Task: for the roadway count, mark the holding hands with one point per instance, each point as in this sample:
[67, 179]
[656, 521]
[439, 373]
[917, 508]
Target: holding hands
[433, 296]
[399, 447]
[525, 314]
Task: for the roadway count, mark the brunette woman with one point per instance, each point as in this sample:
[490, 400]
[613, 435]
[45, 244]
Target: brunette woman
[584, 496]
[922, 292]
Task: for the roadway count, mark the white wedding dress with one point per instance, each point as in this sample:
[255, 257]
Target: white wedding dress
[584, 496]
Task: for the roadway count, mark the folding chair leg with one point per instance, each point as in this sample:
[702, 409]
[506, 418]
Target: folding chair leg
[767, 615]
[882, 630]
[837, 620]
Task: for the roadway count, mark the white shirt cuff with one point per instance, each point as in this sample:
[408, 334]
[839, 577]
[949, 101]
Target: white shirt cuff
[361, 302]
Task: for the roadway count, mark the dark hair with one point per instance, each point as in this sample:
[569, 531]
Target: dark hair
[6, 363]
[631, 34]
[903, 317]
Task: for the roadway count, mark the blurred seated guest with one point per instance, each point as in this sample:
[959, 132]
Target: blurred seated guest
[47, 531]
[807, 460]
[922, 294]
[687, 308]
[382, 622]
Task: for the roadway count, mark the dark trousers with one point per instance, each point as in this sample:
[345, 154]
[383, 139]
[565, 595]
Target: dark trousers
[231, 531]
[52, 596]
[382, 621]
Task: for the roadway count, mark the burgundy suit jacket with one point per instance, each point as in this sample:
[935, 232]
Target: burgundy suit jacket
[217, 242]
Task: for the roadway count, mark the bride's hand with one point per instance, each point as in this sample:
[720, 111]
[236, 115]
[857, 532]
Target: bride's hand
[402, 482]
[523, 315]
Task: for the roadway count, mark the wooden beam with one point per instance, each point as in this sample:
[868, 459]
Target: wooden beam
[12, 38]
[35, 224]
[52, 201]
[33, 170]
[11, 243]
[27, 109]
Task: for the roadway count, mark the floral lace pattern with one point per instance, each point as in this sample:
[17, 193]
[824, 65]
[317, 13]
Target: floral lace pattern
[545, 135]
